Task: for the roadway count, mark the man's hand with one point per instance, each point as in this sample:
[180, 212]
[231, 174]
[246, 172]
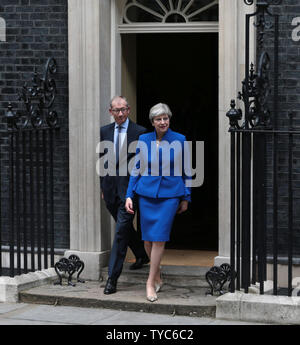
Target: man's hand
[129, 206]
[183, 206]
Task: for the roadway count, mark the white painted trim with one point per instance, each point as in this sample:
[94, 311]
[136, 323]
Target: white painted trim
[115, 49]
[231, 73]
[84, 110]
[115, 69]
[169, 27]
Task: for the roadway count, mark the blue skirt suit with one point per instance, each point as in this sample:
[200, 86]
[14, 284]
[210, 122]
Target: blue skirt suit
[158, 180]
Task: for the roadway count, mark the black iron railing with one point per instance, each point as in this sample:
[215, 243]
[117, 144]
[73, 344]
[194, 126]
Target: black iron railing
[26, 196]
[262, 226]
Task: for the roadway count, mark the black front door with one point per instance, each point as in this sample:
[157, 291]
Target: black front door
[182, 71]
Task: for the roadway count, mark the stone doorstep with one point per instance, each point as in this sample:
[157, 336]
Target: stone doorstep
[240, 306]
[183, 292]
[186, 298]
[11, 287]
[205, 310]
[129, 297]
[181, 276]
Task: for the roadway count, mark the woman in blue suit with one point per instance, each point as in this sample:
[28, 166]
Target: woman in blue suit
[158, 180]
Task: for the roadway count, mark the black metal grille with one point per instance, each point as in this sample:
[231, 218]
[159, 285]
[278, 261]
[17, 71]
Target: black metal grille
[27, 205]
[262, 163]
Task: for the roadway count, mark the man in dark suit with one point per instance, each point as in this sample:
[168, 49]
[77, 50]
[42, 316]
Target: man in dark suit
[122, 132]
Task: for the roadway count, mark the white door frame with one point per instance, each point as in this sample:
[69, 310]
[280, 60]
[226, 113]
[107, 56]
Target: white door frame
[231, 67]
[94, 77]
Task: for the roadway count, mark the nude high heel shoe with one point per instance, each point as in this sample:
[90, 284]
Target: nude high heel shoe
[158, 286]
[151, 298]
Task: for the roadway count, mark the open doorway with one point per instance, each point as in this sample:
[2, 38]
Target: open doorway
[182, 71]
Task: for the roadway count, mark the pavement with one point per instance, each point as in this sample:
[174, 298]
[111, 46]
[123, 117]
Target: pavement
[107, 326]
[39, 314]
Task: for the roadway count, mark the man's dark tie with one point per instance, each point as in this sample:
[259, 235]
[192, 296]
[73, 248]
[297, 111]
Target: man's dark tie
[118, 142]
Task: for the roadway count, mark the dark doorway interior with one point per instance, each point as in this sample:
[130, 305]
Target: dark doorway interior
[182, 71]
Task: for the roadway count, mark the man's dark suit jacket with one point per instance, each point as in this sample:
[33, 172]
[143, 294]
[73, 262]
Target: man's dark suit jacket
[113, 186]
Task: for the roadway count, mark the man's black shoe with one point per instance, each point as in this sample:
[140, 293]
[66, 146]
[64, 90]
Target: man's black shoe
[110, 287]
[139, 263]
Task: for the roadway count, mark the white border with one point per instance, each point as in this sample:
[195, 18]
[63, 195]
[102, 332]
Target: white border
[203, 27]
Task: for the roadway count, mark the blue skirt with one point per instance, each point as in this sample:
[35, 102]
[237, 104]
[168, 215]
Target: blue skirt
[156, 217]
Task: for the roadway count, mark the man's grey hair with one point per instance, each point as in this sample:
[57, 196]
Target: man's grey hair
[159, 109]
[116, 97]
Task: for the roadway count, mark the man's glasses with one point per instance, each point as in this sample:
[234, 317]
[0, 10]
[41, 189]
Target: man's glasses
[117, 110]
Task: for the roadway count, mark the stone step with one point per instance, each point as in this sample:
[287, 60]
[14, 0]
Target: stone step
[172, 300]
[183, 292]
[178, 276]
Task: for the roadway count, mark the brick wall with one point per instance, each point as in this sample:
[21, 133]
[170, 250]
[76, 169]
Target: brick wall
[35, 31]
[288, 103]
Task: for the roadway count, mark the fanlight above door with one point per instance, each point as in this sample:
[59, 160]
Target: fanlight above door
[170, 11]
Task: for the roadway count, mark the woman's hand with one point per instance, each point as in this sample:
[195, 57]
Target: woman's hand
[183, 206]
[129, 206]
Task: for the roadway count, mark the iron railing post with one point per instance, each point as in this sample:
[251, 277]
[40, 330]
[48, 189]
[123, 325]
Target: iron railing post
[30, 166]
[251, 170]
